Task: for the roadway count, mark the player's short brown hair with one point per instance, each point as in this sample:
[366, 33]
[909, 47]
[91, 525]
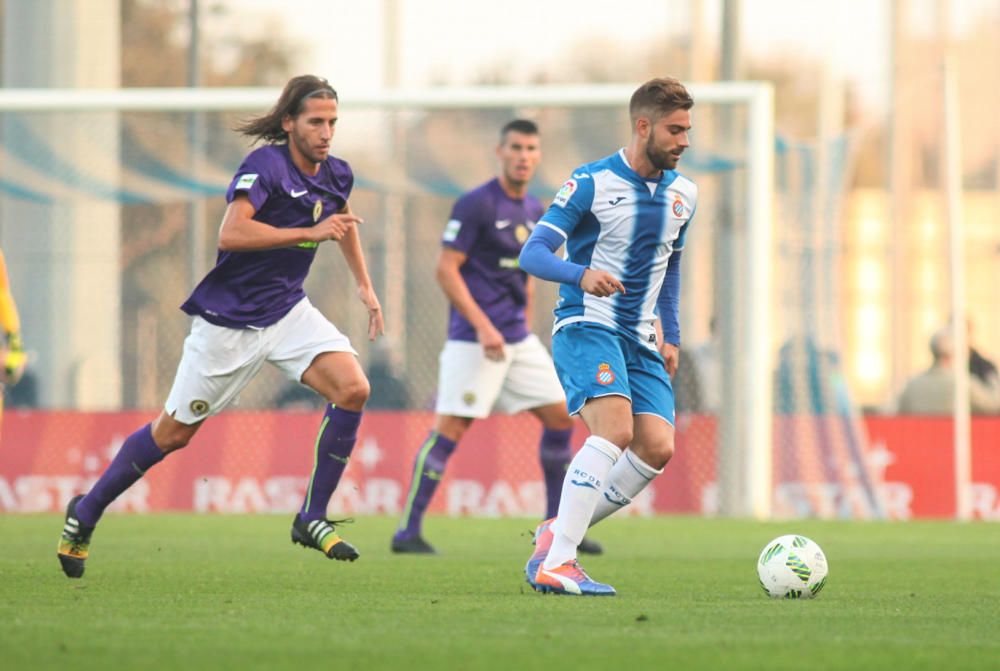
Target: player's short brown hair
[658, 97]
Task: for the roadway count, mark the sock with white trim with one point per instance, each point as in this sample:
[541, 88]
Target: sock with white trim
[627, 478]
[582, 487]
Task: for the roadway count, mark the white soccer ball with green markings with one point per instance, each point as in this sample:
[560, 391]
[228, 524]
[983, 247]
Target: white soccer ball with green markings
[792, 567]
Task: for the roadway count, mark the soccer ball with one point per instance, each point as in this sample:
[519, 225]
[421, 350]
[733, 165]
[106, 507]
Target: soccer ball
[792, 567]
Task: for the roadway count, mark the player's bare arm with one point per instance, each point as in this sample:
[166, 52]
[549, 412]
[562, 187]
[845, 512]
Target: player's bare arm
[600, 283]
[240, 232]
[350, 247]
[457, 291]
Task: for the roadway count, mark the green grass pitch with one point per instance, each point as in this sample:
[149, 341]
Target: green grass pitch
[232, 592]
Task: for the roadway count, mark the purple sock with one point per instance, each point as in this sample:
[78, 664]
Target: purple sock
[555, 455]
[137, 455]
[334, 444]
[427, 471]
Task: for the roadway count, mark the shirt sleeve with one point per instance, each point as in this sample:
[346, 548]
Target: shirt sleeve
[252, 179]
[538, 258]
[668, 302]
[463, 227]
[573, 200]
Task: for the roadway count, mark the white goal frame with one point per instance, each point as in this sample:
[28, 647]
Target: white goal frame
[749, 420]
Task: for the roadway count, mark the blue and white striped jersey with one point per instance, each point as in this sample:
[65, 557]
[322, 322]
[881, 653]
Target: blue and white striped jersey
[614, 220]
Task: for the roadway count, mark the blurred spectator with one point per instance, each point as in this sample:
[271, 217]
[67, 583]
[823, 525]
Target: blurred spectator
[25, 393]
[705, 358]
[808, 380]
[933, 391]
[687, 384]
[980, 366]
[298, 397]
[389, 392]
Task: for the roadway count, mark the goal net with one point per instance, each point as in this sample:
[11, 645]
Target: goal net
[111, 200]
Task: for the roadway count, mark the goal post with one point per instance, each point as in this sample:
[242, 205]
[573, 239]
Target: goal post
[746, 423]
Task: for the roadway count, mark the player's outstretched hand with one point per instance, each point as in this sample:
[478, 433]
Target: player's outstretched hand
[334, 227]
[376, 325]
[671, 357]
[600, 283]
[492, 342]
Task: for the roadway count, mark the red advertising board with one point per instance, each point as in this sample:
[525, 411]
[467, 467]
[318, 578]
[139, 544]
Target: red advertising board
[260, 462]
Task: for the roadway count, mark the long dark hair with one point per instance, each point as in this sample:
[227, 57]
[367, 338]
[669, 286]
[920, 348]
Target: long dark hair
[293, 98]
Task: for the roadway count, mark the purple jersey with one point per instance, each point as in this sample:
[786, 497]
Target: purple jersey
[256, 289]
[490, 227]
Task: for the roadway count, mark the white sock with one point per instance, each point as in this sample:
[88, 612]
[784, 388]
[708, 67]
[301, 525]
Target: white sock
[582, 487]
[627, 478]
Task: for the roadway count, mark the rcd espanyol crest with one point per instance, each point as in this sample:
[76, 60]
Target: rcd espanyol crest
[605, 375]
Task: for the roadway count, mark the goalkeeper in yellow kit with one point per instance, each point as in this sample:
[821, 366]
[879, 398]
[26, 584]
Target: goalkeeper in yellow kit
[12, 356]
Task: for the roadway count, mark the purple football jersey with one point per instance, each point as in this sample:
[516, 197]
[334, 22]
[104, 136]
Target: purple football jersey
[490, 227]
[256, 289]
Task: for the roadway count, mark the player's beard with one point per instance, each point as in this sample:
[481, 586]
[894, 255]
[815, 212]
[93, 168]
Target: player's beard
[661, 159]
[308, 151]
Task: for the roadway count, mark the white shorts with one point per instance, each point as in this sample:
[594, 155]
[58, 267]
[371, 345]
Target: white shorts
[470, 385]
[219, 362]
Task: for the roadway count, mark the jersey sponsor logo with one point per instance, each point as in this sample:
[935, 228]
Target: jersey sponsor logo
[502, 224]
[509, 263]
[616, 200]
[247, 180]
[198, 406]
[295, 194]
[451, 230]
[307, 245]
[567, 190]
[605, 375]
[678, 207]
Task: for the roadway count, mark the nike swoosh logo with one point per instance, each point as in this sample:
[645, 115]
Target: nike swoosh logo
[502, 224]
[616, 200]
[296, 194]
[342, 460]
[584, 484]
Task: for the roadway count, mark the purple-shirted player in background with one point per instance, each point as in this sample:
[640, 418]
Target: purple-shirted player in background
[491, 359]
[286, 198]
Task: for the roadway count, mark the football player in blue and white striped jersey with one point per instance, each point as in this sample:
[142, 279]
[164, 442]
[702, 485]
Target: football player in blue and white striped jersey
[623, 220]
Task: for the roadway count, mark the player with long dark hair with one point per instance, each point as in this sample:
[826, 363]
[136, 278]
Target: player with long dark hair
[287, 197]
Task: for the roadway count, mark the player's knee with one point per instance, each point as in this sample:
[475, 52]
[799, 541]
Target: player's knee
[659, 454]
[354, 394]
[170, 434]
[170, 440]
[619, 435]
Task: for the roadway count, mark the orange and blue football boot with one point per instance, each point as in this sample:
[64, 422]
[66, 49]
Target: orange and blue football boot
[569, 578]
[322, 535]
[542, 541]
